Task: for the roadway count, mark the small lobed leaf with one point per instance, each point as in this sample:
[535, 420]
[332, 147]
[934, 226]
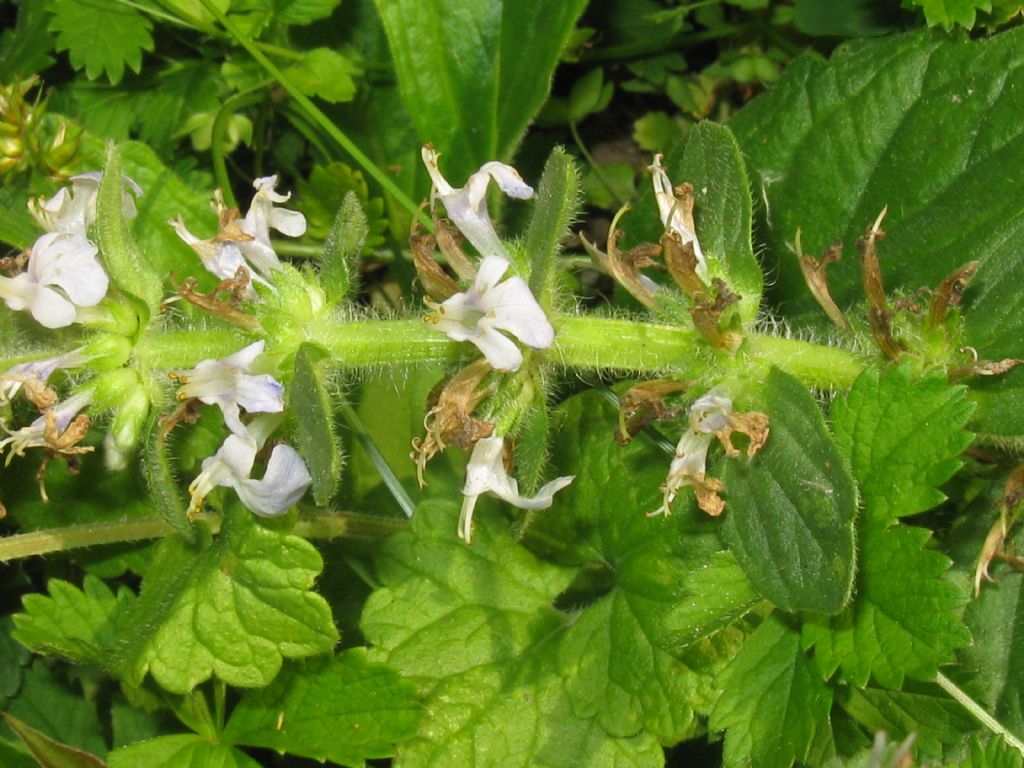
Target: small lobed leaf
[326, 74]
[101, 36]
[773, 702]
[904, 620]
[903, 437]
[790, 510]
[315, 434]
[950, 13]
[233, 609]
[344, 709]
[303, 11]
[78, 624]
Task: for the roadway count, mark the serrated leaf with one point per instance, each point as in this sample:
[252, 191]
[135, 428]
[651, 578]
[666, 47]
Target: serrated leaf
[773, 701]
[558, 201]
[938, 721]
[872, 126]
[993, 752]
[459, 65]
[903, 438]
[49, 753]
[790, 510]
[177, 751]
[949, 13]
[344, 709]
[325, 74]
[101, 36]
[13, 658]
[315, 437]
[233, 610]
[904, 620]
[78, 624]
[471, 624]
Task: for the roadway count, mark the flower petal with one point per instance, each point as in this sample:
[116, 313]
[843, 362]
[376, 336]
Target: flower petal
[283, 484]
[69, 262]
[512, 307]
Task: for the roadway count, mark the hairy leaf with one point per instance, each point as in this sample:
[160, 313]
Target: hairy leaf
[315, 436]
[870, 126]
[558, 200]
[790, 510]
[343, 709]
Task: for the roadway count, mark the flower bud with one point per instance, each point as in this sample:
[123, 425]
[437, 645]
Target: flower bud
[130, 419]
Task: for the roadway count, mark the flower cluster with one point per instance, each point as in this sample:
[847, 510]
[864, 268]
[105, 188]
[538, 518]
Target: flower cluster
[709, 417]
[228, 384]
[63, 272]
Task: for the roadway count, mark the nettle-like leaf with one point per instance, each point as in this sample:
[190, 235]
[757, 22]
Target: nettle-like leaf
[773, 701]
[473, 625]
[790, 512]
[234, 609]
[872, 126]
[78, 624]
[173, 751]
[459, 65]
[949, 13]
[326, 74]
[344, 709]
[101, 36]
[303, 11]
[904, 438]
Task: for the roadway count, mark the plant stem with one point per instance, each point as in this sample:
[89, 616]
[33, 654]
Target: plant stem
[313, 526]
[978, 712]
[816, 365]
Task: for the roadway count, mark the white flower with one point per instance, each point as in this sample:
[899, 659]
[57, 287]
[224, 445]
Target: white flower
[37, 372]
[486, 472]
[58, 260]
[74, 211]
[263, 216]
[227, 384]
[39, 434]
[282, 485]
[676, 214]
[220, 257]
[489, 307]
[467, 206]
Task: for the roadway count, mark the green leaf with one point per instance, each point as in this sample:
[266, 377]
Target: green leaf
[25, 49]
[558, 202]
[326, 74]
[233, 609]
[461, 74]
[989, 668]
[871, 126]
[50, 753]
[121, 254]
[304, 11]
[471, 625]
[903, 438]
[344, 709]
[315, 436]
[992, 753]
[79, 625]
[339, 266]
[938, 721]
[773, 701]
[789, 517]
[17, 227]
[65, 715]
[853, 18]
[949, 13]
[323, 200]
[13, 658]
[904, 621]
[161, 481]
[176, 751]
[101, 36]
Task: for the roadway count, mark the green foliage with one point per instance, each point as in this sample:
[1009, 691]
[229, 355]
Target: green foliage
[49, 753]
[556, 209]
[791, 508]
[463, 83]
[950, 13]
[171, 751]
[101, 36]
[25, 48]
[316, 436]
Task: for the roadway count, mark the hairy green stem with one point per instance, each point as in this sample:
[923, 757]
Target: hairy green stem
[816, 365]
[978, 712]
[313, 526]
